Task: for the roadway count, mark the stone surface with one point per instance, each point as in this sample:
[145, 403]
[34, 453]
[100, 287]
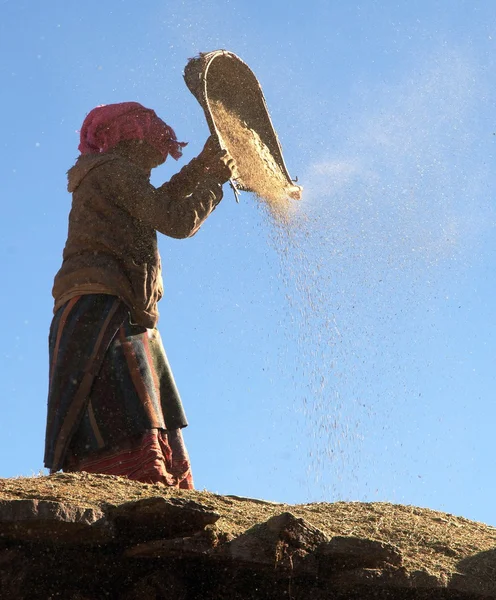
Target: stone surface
[174, 546]
[422, 579]
[469, 577]
[12, 573]
[391, 578]
[158, 585]
[196, 545]
[160, 517]
[463, 582]
[351, 552]
[44, 519]
[282, 542]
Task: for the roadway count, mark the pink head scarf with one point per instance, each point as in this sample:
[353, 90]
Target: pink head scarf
[105, 126]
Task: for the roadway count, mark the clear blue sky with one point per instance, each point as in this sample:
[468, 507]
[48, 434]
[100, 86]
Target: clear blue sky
[355, 360]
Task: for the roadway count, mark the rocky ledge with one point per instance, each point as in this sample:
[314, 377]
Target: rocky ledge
[82, 537]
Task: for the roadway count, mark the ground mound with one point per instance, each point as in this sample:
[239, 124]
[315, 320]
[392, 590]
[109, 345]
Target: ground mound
[80, 536]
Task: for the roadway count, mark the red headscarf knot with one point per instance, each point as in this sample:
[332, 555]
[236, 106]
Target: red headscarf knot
[105, 126]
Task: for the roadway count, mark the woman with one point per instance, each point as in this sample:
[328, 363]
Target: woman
[113, 406]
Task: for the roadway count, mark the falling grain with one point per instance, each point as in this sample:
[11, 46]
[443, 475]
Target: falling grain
[257, 169]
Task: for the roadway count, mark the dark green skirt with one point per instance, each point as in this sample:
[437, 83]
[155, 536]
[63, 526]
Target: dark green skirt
[132, 392]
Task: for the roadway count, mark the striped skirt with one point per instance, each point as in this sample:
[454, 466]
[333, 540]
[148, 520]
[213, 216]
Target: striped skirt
[155, 457]
[110, 386]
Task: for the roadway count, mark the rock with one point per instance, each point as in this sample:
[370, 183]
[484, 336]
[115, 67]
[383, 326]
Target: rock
[423, 579]
[158, 585]
[282, 542]
[467, 583]
[476, 572]
[9, 557]
[352, 552]
[173, 546]
[390, 578]
[33, 519]
[12, 573]
[159, 518]
[195, 545]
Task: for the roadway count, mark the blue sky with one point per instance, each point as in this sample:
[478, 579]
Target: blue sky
[350, 356]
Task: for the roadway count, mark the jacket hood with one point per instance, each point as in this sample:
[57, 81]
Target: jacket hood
[84, 165]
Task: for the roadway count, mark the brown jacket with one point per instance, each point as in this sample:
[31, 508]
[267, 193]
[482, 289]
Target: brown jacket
[111, 246]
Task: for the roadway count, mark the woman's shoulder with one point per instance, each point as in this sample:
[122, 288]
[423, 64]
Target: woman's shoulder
[86, 164]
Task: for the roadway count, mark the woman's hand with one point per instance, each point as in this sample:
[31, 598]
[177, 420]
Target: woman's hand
[217, 162]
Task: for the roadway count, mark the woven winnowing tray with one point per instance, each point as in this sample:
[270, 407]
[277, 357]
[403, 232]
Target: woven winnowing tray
[236, 112]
